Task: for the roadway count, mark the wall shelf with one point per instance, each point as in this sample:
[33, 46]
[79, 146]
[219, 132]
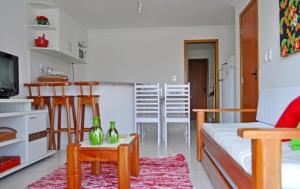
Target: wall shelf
[58, 54]
[9, 171]
[41, 5]
[12, 141]
[41, 27]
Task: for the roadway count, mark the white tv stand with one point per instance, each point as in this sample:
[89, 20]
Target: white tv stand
[31, 141]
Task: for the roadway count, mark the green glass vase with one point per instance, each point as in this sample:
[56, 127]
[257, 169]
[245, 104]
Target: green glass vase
[112, 133]
[96, 134]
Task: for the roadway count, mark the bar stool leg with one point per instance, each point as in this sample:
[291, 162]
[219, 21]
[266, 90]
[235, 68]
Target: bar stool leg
[82, 122]
[48, 104]
[51, 144]
[74, 117]
[78, 122]
[59, 127]
[67, 105]
[97, 109]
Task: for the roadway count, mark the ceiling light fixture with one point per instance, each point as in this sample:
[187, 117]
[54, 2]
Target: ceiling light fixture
[140, 7]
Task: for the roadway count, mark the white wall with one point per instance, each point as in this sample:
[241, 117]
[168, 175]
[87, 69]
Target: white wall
[147, 55]
[37, 59]
[280, 71]
[13, 36]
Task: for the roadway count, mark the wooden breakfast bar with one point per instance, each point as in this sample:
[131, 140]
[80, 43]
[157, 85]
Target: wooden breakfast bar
[125, 153]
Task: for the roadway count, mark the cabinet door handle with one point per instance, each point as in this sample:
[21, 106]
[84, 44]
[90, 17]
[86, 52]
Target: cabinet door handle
[33, 117]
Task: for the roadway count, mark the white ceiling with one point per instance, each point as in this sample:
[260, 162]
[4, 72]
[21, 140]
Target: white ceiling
[102, 14]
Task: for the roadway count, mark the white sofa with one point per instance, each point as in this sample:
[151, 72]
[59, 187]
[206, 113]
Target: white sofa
[218, 142]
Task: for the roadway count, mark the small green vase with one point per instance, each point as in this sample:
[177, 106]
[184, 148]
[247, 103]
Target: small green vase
[112, 133]
[96, 134]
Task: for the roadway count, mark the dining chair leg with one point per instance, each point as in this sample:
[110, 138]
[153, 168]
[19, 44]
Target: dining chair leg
[189, 134]
[166, 133]
[158, 134]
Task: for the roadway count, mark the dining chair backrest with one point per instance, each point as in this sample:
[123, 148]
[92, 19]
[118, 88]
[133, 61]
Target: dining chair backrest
[147, 103]
[177, 101]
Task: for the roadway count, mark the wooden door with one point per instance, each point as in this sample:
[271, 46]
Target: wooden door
[198, 78]
[249, 59]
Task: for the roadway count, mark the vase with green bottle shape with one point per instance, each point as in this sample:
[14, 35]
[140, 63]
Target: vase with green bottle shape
[112, 135]
[96, 134]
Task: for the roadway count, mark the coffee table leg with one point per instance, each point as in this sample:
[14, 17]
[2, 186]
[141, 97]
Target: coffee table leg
[96, 168]
[73, 167]
[124, 166]
[135, 156]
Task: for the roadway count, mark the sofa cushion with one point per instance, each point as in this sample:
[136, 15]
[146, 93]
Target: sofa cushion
[291, 115]
[272, 103]
[225, 135]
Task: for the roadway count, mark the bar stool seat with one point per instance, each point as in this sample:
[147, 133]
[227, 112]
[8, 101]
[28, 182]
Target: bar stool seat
[39, 101]
[83, 100]
[61, 101]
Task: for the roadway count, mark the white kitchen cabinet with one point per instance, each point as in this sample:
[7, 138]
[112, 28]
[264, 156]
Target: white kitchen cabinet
[68, 37]
[31, 140]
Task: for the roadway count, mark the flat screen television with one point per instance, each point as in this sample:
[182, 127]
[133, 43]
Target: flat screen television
[9, 75]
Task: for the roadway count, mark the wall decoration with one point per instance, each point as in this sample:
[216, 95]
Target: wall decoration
[289, 27]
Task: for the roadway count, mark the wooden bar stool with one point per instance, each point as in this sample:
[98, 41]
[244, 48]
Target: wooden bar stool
[39, 101]
[83, 100]
[68, 103]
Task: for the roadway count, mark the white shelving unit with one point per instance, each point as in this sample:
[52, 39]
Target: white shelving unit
[59, 54]
[37, 27]
[66, 36]
[41, 5]
[12, 141]
[17, 114]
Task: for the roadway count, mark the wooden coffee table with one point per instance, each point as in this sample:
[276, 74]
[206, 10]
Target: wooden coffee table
[126, 153]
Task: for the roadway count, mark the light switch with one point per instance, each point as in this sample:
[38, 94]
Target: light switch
[174, 78]
[266, 57]
[270, 55]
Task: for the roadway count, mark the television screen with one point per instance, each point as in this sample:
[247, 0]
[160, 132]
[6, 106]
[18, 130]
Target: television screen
[9, 76]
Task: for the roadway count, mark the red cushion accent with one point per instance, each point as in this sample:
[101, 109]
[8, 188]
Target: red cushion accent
[291, 116]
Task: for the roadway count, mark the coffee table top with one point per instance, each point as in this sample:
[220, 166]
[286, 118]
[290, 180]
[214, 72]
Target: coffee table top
[122, 140]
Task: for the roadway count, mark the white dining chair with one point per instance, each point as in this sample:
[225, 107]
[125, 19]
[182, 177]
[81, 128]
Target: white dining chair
[177, 109]
[147, 107]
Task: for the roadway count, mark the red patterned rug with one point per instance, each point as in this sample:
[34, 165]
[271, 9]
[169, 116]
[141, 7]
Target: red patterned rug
[168, 172]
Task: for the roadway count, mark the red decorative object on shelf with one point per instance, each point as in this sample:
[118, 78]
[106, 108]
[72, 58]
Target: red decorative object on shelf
[8, 162]
[41, 41]
[42, 20]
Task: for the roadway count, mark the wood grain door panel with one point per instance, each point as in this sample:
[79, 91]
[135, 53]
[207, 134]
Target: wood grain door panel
[249, 59]
[198, 78]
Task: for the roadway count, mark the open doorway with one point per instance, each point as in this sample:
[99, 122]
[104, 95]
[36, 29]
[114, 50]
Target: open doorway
[201, 70]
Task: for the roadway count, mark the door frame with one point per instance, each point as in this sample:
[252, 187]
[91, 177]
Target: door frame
[241, 63]
[215, 43]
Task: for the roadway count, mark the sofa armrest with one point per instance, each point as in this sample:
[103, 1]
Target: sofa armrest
[256, 133]
[266, 154]
[201, 120]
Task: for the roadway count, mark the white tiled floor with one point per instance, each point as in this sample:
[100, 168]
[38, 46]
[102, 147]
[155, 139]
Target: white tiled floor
[148, 148]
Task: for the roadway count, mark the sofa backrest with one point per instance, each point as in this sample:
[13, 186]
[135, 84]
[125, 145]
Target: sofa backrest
[272, 102]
